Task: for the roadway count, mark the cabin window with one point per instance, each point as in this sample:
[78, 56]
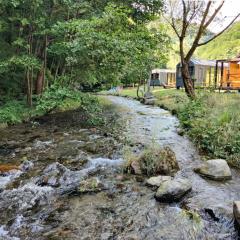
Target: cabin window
[154, 76]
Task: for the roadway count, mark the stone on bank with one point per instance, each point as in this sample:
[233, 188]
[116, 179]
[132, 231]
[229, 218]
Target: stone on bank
[216, 169]
[236, 212]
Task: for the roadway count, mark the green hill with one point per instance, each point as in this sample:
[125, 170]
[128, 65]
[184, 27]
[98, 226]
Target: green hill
[225, 46]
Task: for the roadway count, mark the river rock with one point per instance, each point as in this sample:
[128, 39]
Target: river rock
[236, 211]
[26, 166]
[148, 98]
[90, 185]
[148, 95]
[7, 168]
[173, 190]
[149, 101]
[216, 169]
[157, 181]
[54, 175]
[135, 168]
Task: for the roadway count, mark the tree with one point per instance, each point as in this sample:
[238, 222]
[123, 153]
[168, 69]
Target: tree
[107, 49]
[181, 15]
[75, 43]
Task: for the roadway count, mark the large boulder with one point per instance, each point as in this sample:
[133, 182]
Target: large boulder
[236, 212]
[173, 190]
[149, 101]
[148, 98]
[216, 169]
[157, 181]
[148, 95]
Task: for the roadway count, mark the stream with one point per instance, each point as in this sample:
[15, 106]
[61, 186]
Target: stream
[69, 183]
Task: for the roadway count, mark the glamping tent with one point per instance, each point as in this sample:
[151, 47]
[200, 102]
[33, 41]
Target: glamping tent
[201, 71]
[163, 77]
[229, 76]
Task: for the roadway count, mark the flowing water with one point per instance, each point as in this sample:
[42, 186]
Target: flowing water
[70, 183]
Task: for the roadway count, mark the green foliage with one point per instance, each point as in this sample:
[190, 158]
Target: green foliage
[51, 47]
[54, 97]
[13, 112]
[212, 121]
[108, 49]
[152, 160]
[62, 98]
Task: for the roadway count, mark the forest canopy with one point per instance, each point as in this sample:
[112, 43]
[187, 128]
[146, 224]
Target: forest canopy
[76, 43]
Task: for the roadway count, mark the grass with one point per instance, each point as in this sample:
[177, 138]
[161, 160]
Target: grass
[153, 160]
[212, 121]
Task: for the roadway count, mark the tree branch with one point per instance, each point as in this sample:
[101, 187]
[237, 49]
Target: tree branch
[214, 15]
[200, 31]
[220, 33]
[172, 24]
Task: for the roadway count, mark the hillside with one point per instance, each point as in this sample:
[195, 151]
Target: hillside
[225, 46]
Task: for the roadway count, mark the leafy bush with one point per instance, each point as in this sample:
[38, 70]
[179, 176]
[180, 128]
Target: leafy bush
[213, 123]
[63, 98]
[13, 112]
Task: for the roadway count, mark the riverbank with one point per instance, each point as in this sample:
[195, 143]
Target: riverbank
[211, 121]
[52, 101]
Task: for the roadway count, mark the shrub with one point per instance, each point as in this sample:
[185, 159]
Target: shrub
[13, 112]
[213, 123]
[62, 98]
[154, 160]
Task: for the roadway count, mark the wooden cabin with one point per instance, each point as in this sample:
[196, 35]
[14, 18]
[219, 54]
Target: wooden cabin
[163, 77]
[229, 74]
[201, 71]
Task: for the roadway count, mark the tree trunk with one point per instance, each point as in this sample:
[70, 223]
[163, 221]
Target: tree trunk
[187, 81]
[45, 63]
[29, 87]
[39, 82]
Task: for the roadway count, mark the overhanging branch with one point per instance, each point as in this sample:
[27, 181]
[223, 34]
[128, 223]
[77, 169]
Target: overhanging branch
[220, 33]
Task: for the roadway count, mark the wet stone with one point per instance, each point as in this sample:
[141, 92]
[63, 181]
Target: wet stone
[90, 185]
[135, 168]
[157, 181]
[173, 190]
[53, 175]
[26, 165]
[236, 212]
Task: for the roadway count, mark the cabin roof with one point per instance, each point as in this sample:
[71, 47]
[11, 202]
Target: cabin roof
[203, 62]
[158, 70]
[235, 60]
[200, 62]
